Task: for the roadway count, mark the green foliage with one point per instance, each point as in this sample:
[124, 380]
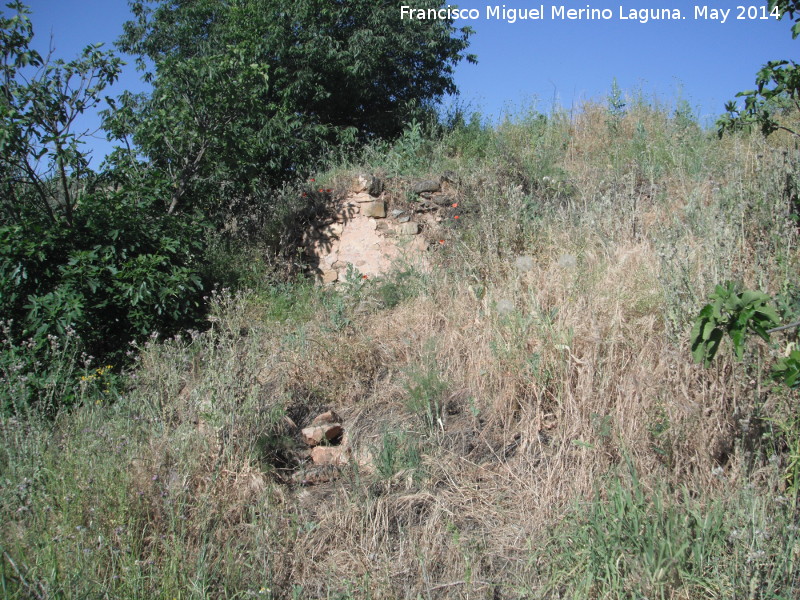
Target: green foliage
[735, 314]
[777, 88]
[616, 106]
[738, 314]
[788, 369]
[92, 261]
[398, 287]
[777, 92]
[42, 168]
[39, 372]
[749, 312]
[123, 271]
[249, 94]
[467, 140]
[410, 152]
[633, 542]
[788, 7]
[425, 395]
[784, 432]
[398, 451]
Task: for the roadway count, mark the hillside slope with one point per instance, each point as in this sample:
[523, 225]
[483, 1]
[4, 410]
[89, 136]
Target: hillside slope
[522, 418]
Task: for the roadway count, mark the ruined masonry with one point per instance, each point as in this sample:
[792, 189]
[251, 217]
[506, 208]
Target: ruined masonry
[372, 231]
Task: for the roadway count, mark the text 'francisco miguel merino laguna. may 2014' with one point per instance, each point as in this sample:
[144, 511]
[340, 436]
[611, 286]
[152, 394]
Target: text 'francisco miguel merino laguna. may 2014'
[562, 13]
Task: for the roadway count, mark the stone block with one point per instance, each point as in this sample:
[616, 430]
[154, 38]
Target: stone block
[408, 228]
[326, 417]
[362, 197]
[329, 455]
[316, 434]
[376, 209]
[428, 185]
[361, 184]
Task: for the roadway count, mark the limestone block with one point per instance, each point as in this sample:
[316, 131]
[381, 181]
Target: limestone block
[408, 228]
[362, 197]
[361, 184]
[375, 209]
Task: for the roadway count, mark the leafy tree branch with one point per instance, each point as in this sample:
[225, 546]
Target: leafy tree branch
[777, 88]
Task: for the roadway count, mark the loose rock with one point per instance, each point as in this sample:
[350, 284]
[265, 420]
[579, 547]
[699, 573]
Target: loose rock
[428, 185]
[315, 435]
[329, 455]
[360, 184]
[375, 209]
[326, 418]
[362, 197]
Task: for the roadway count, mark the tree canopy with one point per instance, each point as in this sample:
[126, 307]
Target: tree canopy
[79, 258]
[777, 87]
[41, 159]
[250, 92]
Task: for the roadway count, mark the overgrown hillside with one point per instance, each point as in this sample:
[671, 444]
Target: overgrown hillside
[524, 419]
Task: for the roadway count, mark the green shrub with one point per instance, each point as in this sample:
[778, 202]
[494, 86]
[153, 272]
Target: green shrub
[124, 271]
[399, 287]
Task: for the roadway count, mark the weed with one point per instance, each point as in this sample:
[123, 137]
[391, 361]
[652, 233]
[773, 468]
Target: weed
[425, 390]
[398, 451]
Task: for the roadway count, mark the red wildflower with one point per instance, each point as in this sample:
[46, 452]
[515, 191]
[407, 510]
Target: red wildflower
[456, 217]
[455, 204]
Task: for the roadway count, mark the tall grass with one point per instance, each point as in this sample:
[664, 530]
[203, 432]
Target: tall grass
[525, 419]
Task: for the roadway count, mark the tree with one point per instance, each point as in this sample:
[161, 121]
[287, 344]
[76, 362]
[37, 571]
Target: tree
[249, 93]
[777, 87]
[81, 258]
[41, 162]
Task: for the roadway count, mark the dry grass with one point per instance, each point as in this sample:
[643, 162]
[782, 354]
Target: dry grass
[546, 383]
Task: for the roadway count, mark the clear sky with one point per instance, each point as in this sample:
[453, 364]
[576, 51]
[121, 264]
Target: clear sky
[534, 62]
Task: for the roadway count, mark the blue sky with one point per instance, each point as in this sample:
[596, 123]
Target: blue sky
[536, 62]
